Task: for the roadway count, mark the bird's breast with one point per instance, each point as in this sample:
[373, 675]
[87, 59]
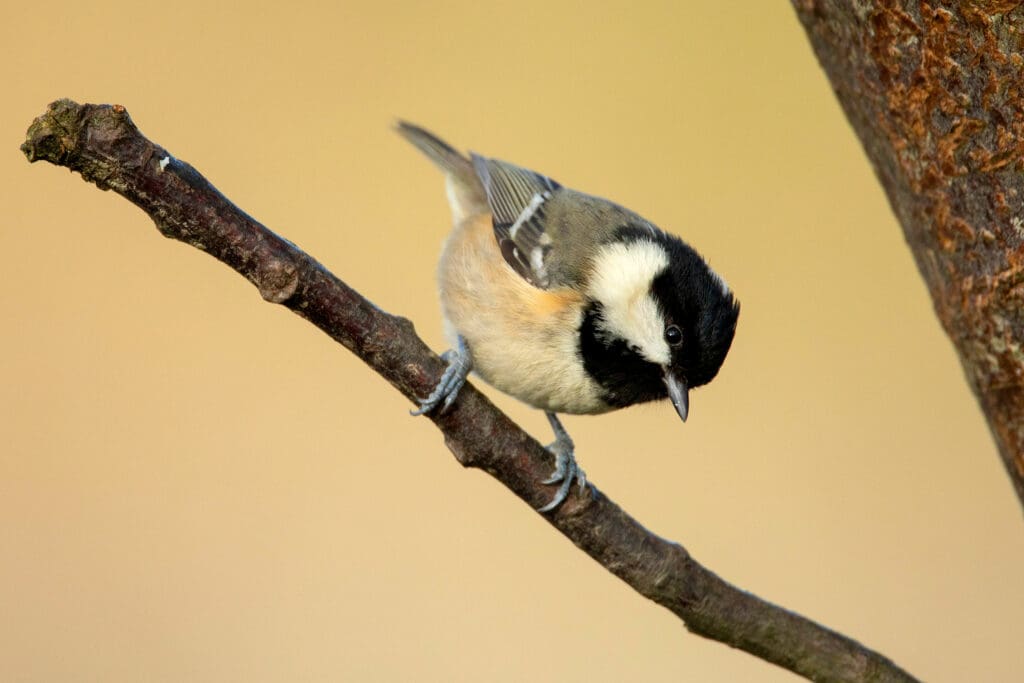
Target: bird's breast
[523, 340]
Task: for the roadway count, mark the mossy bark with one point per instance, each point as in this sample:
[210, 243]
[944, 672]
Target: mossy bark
[935, 91]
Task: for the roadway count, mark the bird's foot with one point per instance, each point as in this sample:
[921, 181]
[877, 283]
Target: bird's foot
[459, 366]
[566, 469]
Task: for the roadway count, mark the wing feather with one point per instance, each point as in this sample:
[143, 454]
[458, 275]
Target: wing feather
[516, 197]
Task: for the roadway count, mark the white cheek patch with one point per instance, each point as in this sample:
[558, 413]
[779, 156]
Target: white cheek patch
[621, 282]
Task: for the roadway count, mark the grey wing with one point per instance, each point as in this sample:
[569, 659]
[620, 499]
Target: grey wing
[517, 199]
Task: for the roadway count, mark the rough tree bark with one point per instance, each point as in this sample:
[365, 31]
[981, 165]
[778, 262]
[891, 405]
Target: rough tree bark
[935, 91]
[104, 146]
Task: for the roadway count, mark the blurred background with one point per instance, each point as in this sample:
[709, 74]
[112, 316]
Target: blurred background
[198, 486]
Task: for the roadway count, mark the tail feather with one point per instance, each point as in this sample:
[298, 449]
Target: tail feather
[465, 191]
[436, 149]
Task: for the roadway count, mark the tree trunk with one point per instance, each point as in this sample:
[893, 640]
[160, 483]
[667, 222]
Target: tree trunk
[934, 91]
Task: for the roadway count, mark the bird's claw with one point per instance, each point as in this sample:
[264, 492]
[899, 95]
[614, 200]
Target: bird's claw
[566, 469]
[444, 394]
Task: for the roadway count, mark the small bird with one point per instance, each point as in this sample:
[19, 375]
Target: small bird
[568, 302]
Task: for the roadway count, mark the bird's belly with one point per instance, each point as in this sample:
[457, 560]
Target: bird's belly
[523, 340]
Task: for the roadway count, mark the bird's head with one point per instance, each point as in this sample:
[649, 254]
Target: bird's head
[660, 320]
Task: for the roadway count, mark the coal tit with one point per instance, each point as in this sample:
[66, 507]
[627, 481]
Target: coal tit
[568, 302]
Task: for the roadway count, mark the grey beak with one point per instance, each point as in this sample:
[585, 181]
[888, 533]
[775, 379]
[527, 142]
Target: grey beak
[678, 392]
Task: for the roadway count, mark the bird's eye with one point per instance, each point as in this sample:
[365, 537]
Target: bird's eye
[673, 335]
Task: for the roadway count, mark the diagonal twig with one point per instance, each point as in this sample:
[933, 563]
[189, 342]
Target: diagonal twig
[102, 144]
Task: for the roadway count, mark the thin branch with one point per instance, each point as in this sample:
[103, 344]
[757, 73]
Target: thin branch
[102, 144]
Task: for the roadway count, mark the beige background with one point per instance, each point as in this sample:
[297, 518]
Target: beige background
[196, 486]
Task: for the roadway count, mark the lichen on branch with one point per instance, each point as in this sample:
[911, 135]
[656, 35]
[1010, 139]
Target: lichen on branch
[935, 92]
